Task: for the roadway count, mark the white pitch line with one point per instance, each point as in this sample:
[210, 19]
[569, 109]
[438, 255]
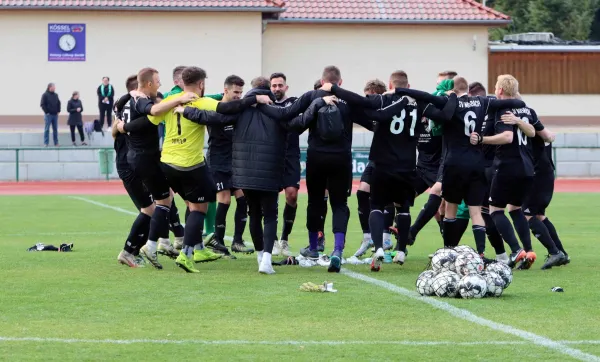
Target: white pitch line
[470, 317]
[276, 343]
[124, 211]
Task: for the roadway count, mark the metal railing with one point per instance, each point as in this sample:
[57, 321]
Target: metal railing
[108, 155]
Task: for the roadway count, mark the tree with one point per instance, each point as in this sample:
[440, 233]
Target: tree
[595, 28]
[518, 10]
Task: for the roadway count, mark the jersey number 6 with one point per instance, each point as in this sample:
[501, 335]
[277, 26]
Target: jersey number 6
[397, 125]
[470, 118]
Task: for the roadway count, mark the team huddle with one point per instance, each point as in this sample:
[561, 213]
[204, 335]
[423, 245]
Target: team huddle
[477, 156]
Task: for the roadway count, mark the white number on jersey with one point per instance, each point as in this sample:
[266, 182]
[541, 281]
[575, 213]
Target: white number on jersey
[521, 135]
[470, 118]
[126, 115]
[397, 125]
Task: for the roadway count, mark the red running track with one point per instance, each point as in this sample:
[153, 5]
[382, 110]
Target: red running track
[115, 187]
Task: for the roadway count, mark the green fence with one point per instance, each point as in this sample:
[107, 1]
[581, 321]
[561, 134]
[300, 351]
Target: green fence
[106, 157]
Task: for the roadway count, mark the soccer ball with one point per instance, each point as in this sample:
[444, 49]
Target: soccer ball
[424, 282]
[443, 260]
[468, 263]
[472, 286]
[495, 284]
[445, 284]
[503, 270]
[463, 249]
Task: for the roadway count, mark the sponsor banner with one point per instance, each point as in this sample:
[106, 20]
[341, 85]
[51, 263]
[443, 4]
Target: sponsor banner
[66, 42]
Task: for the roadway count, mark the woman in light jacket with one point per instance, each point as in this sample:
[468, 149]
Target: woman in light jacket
[74, 107]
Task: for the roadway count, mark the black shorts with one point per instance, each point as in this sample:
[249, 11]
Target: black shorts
[509, 188]
[223, 180]
[539, 197]
[195, 185]
[148, 168]
[489, 176]
[388, 188]
[366, 175]
[461, 183]
[291, 172]
[426, 177]
[135, 189]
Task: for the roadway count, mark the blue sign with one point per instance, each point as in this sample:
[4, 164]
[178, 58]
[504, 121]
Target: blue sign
[66, 42]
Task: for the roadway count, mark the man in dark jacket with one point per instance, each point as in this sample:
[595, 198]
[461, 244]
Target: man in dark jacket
[106, 99]
[258, 160]
[51, 106]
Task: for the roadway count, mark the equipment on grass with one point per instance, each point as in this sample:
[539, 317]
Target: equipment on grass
[468, 263]
[472, 286]
[443, 260]
[464, 249]
[424, 283]
[445, 284]
[503, 270]
[495, 284]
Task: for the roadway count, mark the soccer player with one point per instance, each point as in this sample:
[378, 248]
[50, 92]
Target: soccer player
[514, 171]
[144, 155]
[463, 177]
[321, 234]
[393, 153]
[433, 152]
[538, 199]
[291, 176]
[133, 185]
[183, 160]
[220, 146]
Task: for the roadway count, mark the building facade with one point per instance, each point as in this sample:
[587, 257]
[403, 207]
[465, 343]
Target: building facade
[247, 38]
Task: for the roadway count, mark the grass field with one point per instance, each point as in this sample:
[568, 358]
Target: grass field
[83, 306]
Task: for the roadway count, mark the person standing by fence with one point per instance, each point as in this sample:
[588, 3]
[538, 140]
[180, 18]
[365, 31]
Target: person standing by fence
[106, 99]
[75, 107]
[50, 104]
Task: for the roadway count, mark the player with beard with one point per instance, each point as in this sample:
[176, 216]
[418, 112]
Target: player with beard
[538, 199]
[144, 155]
[513, 176]
[393, 153]
[291, 176]
[219, 157]
[464, 171]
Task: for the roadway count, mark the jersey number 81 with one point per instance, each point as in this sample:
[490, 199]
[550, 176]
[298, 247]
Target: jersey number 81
[397, 125]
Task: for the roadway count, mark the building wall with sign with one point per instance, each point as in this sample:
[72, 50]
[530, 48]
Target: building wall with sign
[118, 44]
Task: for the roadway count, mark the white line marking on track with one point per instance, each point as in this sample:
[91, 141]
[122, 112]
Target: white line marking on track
[124, 211]
[249, 342]
[470, 317]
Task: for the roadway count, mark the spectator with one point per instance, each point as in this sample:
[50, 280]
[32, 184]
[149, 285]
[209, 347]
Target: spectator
[74, 107]
[51, 106]
[106, 99]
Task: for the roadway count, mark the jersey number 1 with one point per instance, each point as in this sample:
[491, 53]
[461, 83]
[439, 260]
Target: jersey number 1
[397, 125]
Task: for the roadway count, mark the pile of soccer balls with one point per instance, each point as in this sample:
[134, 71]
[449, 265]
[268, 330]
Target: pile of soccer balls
[460, 272]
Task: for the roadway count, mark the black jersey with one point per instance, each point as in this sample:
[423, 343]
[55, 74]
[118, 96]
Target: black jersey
[515, 157]
[292, 147]
[220, 147]
[541, 151]
[120, 144]
[489, 151]
[429, 147]
[145, 138]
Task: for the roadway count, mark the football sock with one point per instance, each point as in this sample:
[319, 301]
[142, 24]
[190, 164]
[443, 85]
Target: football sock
[187, 213]
[209, 221]
[461, 227]
[313, 240]
[289, 216]
[479, 234]
[427, 213]
[522, 228]
[138, 234]
[340, 240]
[389, 214]
[364, 209]
[403, 226]
[543, 235]
[240, 217]
[158, 224]
[188, 251]
[449, 231]
[441, 223]
[221, 221]
[493, 235]
[376, 224]
[193, 229]
[506, 230]
[174, 222]
[554, 235]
